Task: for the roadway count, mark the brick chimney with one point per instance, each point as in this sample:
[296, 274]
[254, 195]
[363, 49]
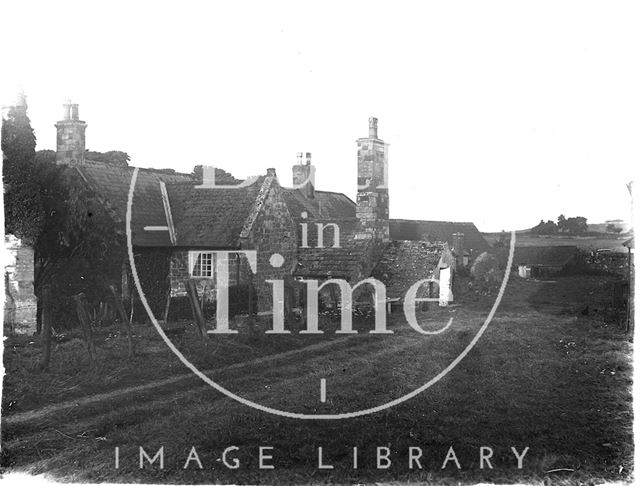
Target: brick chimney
[304, 175]
[71, 137]
[372, 207]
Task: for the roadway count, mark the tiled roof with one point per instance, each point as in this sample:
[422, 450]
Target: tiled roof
[403, 263]
[544, 255]
[405, 229]
[212, 217]
[327, 205]
[111, 183]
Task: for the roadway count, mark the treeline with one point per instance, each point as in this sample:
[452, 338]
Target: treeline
[571, 226]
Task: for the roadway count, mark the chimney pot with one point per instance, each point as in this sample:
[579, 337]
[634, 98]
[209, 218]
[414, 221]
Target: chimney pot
[373, 127]
[304, 176]
[66, 109]
[21, 100]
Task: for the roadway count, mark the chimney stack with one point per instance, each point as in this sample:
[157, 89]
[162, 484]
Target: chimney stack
[304, 176]
[70, 145]
[372, 202]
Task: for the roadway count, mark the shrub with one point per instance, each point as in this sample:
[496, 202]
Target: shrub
[487, 271]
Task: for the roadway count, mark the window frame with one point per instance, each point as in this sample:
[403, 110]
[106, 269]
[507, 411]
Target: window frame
[195, 257]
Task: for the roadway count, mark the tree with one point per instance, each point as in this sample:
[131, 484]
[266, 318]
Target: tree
[114, 157]
[542, 228]
[562, 223]
[51, 208]
[24, 211]
[612, 228]
[576, 225]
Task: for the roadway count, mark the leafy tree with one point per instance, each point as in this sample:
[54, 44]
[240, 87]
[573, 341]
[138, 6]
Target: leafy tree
[576, 225]
[562, 223]
[24, 211]
[542, 228]
[612, 228]
[114, 157]
[51, 208]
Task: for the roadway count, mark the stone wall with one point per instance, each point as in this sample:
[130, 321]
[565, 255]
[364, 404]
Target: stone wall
[20, 301]
[179, 273]
[273, 232]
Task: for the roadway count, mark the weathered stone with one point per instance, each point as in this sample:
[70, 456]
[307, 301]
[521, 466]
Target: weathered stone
[20, 302]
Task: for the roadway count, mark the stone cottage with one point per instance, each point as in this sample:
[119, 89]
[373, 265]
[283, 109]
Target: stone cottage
[183, 224]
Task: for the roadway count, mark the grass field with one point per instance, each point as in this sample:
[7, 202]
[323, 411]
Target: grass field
[612, 242]
[543, 376]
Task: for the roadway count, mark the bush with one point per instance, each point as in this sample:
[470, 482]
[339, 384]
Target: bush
[487, 271]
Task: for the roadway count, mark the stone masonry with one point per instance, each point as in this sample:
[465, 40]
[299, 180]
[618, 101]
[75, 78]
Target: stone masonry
[20, 301]
[71, 137]
[372, 208]
[272, 231]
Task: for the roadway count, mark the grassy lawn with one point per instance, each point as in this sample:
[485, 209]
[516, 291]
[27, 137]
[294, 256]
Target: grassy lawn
[543, 376]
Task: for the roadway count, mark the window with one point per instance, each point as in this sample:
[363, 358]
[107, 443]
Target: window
[201, 264]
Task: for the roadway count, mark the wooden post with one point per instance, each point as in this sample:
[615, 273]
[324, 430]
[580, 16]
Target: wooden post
[165, 316]
[250, 298]
[190, 285]
[45, 332]
[85, 323]
[123, 318]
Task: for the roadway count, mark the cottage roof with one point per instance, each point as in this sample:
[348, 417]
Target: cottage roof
[551, 256]
[324, 204]
[433, 231]
[111, 183]
[202, 217]
[217, 217]
[404, 262]
[214, 217]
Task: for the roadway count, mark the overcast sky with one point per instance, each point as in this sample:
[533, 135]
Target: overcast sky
[501, 113]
